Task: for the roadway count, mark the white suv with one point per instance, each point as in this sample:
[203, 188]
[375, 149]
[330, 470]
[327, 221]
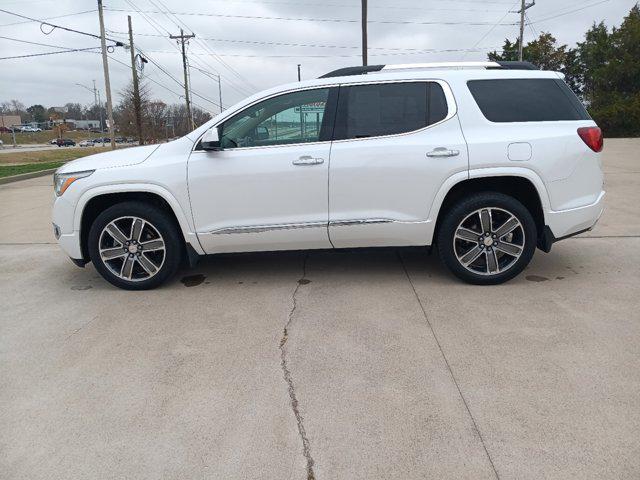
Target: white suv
[485, 160]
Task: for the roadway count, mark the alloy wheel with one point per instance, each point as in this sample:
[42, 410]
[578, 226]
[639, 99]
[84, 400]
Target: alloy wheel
[489, 241]
[132, 248]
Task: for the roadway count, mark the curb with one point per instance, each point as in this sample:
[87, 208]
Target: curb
[26, 176]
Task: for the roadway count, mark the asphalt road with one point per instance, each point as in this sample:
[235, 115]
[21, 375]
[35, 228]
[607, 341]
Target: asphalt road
[372, 364]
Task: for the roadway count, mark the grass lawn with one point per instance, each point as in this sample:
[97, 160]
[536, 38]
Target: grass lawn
[8, 170]
[15, 163]
[57, 155]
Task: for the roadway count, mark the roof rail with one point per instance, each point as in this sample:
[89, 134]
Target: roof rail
[438, 65]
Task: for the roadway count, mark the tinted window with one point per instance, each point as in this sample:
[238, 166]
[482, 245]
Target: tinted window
[526, 100]
[291, 118]
[388, 108]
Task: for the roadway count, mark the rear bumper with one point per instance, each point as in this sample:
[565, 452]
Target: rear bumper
[567, 223]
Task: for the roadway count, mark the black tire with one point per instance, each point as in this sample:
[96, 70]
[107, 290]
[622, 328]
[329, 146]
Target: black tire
[485, 270]
[156, 222]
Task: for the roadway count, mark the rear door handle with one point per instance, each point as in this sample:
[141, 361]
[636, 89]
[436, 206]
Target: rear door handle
[443, 152]
[308, 160]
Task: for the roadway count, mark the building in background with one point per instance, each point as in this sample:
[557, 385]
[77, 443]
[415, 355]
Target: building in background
[10, 120]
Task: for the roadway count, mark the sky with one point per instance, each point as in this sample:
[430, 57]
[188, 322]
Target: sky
[257, 44]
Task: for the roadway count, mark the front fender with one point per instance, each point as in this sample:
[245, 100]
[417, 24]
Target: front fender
[183, 219]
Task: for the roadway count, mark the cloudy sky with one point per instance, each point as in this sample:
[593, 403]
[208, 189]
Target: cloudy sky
[256, 44]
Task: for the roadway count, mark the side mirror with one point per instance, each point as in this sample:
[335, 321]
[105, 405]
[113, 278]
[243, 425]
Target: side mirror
[211, 139]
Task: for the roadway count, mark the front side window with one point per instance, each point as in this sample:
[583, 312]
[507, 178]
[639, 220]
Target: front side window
[388, 108]
[291, 118]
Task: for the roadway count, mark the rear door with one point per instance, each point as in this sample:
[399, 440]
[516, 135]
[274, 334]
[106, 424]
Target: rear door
[394, 145]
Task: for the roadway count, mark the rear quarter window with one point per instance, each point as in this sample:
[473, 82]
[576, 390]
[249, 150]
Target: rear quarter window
[526, 100]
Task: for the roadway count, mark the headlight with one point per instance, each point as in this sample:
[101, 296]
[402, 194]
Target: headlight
[62, 181]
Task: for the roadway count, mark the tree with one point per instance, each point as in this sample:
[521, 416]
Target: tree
[124, 113]
[611, 75]
[17, 107]
[74, 111]
[604, 70]
[38, 113]
[545, 53]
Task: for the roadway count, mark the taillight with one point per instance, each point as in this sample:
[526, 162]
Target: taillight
[592, 136]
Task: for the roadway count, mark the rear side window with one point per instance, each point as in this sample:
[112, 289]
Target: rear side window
[388, 108]
[526, 100]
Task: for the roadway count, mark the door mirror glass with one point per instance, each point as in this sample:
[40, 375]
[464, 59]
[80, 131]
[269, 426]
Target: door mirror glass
[211, 139]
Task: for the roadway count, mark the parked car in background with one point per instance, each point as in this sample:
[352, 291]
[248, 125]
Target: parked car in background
[65, 142]
[5, 130]
[54, 141]
[29, 129]
[486, 161]
[86, 143]
[120, 140]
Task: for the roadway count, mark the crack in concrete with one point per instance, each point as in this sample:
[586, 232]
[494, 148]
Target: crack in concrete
[306, 448]
[446, 361]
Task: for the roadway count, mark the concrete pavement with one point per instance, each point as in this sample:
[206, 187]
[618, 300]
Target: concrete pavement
[326, 365]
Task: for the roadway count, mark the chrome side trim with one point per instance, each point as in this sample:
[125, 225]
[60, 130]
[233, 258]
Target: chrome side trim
[267, 228]
[292, 226]
[363, 221]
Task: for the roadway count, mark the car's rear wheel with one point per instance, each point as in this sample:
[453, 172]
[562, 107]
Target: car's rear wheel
[135, 245]
[487, 239]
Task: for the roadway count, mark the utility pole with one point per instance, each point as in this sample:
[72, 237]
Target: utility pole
[220, 92]
[183, 39]
[364, 33]
[523, 7]
[136, 89]
[299, 76]
[95, 94]
[107, 83]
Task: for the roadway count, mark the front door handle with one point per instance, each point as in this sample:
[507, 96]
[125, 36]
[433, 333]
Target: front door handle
[308, 160]
[442, 152]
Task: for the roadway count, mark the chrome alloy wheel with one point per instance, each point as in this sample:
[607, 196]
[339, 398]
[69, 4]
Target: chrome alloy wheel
[132, 248]
[489, 241]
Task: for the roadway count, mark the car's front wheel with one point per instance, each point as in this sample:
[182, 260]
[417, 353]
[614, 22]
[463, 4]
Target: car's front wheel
[487, 238]
[135, 245]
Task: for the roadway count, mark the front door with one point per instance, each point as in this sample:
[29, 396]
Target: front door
[267, 188]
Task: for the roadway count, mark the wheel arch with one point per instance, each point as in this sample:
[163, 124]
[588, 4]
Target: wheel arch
[520, 183]
[96, 200]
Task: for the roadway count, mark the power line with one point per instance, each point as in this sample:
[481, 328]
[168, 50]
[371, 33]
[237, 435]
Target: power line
[340, 5]
[333, 56]
[37, 43]
[305, 45]
[488, 32]
[54, 26]
[50, 53]
[540, 20]
[322, 20]
[48, 18]
[153, 80]
[157, 26]
[206, 47]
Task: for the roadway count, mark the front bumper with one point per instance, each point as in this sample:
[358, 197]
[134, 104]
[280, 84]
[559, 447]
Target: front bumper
[63, 228]
[568, 223]
[70, 243]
